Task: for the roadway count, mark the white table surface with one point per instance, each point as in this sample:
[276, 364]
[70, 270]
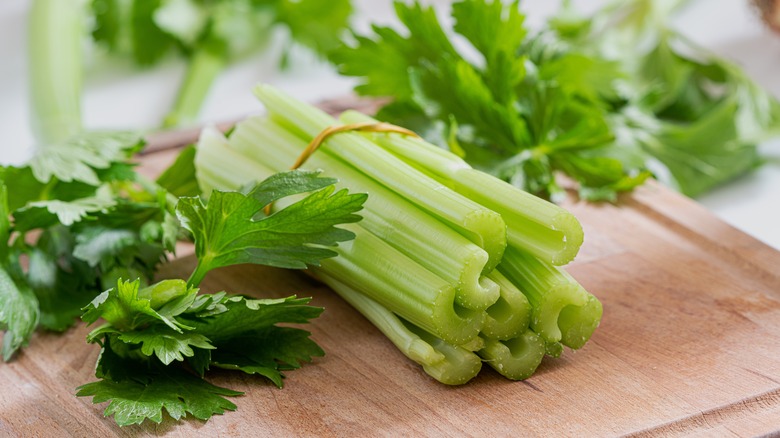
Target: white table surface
[119, 96]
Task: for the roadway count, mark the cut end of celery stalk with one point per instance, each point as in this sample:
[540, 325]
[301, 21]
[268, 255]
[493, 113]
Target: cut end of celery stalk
[411, 345]
[516, 358]
[459, 365]
[577, 323]
[568, 314]
[510, 315]
[488, 230]
[572, 237]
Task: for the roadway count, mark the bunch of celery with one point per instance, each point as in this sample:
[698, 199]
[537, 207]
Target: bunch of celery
[454, 266]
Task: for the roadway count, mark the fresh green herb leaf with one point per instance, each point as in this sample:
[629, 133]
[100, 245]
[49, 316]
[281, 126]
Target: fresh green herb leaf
[179, 179]
[79, 158]
[230, 229]
[167, 344]
[147, 394]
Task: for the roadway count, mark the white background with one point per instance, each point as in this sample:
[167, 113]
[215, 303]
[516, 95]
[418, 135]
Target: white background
[119, 96]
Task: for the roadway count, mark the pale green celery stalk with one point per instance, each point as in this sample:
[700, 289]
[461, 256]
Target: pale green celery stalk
[534, 225]
[218, 166]
[203, 68]
[510, 315]
[386, 275]
[479, 224]
[447, 363]
[366, 263]
[395, 220]
[563, 311]
[55, 66]
[515, 358]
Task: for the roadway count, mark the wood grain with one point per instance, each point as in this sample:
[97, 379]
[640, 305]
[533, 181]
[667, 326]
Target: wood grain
[689, 345]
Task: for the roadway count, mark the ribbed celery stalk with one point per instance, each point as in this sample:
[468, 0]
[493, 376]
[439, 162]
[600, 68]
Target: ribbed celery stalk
[563, 311]
[202, 69]
[447, 363]
[218, 166]
[534, 225]
[55, 68]
[403, 286]
[367, 263]
[516, 358]
[510, 315]
[395, 220]
[479, 224]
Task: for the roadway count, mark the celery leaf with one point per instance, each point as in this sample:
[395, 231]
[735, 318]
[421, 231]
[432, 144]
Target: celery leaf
[149, 393]
[231, 229]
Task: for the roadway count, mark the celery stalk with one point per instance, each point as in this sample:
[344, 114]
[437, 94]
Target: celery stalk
[202, 70]
[218, 166]
[395, 220]
[55, 66]
[403, 286]
[510, 315]
[447, 363]
[563, 311]
[516, 358]
[481, 225]
[534, 225]
[367, 263]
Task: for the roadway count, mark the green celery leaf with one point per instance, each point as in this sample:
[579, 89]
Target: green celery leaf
[246, 336]
[149, 42]
[19, 311]
[62, 285]
[24, 187]
[41, 214]
[200, 361]
[80, 157]
[247, 315]
[173, 390]
[315, 23]
[126, 308]
[107, 23]
[266, 352]
[226, 231]
[179, 179]
[168, 345]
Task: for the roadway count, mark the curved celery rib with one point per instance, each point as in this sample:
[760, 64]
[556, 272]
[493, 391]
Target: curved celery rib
[449, 364]
[387, 322]
[515, 358]
[395, 220]
[56, 72]
[218, 166]
[536, 226]
[563, 311]
[510, 315]
[479, 224]
[403, 286]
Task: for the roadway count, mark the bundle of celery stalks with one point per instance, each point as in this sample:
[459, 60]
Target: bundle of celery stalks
[454, 266]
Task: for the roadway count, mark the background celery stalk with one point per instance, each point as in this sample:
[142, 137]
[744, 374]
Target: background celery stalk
[400, 223]
[56, 77]
[202, 69]
[534, 225]
[481, 225]
[515, 358]
[563, 311]
[447, 363]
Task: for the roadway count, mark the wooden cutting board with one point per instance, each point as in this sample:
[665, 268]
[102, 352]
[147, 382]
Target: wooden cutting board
[689, 345]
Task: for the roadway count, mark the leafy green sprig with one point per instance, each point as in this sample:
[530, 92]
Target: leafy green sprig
[606, 100]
